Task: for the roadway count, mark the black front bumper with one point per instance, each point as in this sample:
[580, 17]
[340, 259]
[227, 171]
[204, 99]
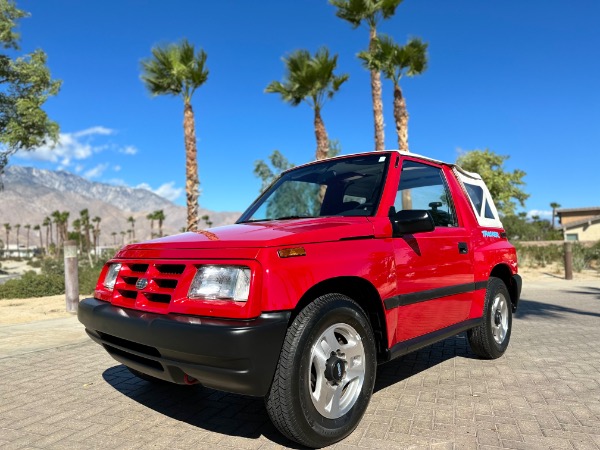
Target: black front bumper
[231, 355]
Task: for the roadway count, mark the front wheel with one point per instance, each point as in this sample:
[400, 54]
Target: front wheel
[325, 374]
[490, 339]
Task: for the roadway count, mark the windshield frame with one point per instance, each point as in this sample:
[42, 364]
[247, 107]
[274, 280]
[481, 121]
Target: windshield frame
[246, 216]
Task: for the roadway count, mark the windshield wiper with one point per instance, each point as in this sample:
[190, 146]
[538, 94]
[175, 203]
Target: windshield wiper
[277, 218]
[293, 217]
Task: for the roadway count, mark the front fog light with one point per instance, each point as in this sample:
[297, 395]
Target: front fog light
[221, 283]
[111, 276]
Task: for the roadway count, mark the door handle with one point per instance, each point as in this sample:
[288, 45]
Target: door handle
[463, 248]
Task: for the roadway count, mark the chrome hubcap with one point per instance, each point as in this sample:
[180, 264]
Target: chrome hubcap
[337, 370]
[499, 318]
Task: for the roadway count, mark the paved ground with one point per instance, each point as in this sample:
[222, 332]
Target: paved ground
[57, 390]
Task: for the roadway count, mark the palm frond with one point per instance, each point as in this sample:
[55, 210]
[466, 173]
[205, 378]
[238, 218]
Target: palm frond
[175, 69]
[308, 78]
[370, 11]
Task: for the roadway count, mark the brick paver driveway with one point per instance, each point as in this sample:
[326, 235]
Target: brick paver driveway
[544, 393]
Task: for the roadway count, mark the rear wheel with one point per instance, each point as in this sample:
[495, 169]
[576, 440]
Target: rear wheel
[490, 339]
[325, 374]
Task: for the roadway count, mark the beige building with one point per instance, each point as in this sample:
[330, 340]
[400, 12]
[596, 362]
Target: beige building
[580, 224]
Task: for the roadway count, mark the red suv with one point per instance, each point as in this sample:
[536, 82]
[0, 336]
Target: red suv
[340, 265]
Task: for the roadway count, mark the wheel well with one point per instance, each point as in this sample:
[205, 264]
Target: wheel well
[363, 293]
[503, 272]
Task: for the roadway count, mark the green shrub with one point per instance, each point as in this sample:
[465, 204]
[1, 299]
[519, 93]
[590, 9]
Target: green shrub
[51, 281]
[33, 285]
[538, 256]
[35, 263]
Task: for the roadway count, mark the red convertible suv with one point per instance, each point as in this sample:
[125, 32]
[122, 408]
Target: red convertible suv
[340, 265]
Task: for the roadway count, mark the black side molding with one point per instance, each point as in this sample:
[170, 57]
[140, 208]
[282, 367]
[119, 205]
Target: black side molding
[432, 294]
[409, 346]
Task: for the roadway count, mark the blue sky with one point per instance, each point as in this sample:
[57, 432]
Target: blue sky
[518, 77]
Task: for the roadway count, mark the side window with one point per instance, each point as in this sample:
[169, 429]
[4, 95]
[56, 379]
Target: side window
[476, 196]
[424, 187]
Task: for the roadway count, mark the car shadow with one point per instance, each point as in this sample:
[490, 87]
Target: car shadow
[414, 363]
[532, 308]
[199, 406]
[244, 416]
[586, 291]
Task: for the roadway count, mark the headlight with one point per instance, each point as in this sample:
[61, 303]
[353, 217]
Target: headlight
[221, 283]
[111, 276]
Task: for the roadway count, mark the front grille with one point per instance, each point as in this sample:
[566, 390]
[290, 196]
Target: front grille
[146, 286]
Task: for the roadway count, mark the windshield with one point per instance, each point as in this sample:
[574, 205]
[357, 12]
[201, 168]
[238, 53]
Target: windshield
[339, 187]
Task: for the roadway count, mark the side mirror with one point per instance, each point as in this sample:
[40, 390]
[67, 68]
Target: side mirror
[411, 221]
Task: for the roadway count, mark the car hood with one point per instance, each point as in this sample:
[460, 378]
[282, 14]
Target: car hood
[265, 234]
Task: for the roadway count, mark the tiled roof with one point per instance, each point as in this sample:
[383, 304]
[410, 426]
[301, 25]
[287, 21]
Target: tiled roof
[578, 223]
[568, 210]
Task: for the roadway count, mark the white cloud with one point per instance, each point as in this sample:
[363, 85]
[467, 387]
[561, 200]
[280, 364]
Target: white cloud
[99, 130]
[96, 171]
[542, 214]
[129, 150]
[166, 190]
[117, 168]
[70, 146]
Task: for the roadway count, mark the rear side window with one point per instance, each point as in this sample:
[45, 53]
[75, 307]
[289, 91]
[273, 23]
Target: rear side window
[480, 198]
[476, 195]
[481, 204]
[424, 187]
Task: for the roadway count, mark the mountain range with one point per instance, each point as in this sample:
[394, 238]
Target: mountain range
[30, 195]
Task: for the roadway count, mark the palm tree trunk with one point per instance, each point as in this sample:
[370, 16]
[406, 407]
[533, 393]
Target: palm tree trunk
[401, 117]
[41, 242]
[191, 167]
[376, 94]
[321, 135]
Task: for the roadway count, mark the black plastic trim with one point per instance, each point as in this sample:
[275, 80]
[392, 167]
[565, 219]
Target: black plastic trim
[432, 294]
[411, 345]
[230, 355]
[516, 293]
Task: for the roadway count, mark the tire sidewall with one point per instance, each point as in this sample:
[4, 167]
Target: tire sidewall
[497, 286]
[331, 430]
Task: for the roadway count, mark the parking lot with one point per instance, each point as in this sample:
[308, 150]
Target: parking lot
[60, 390]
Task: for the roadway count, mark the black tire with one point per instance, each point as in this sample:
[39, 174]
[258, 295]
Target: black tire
[145, 377]
[490, 339]
[290, 401]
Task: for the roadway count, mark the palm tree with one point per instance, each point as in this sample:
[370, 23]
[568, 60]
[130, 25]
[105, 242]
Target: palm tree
[18, 228]
[131, 220]
[84, 217]
[160, 216]
[96, 233]
[56, 219]
[77, 229]
[48, 224]
[150, 217]
[310, 79]
[28, 228]
[63, 219]
[7, 228]
[123, 237]
[207, 221]
[371, 12]
[396, 60]
[114, 235]
[39, 230]
[178, 70]
[554, 207]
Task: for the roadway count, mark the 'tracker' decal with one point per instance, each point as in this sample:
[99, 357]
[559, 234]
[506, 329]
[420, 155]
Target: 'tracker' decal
[490, 234]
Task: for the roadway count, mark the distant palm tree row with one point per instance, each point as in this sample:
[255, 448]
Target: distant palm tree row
[178, 70]
[85, 231]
